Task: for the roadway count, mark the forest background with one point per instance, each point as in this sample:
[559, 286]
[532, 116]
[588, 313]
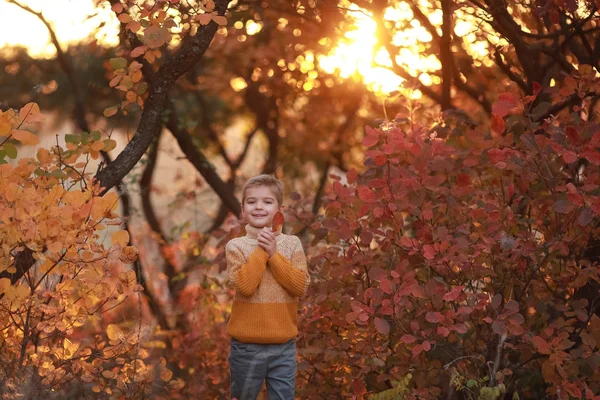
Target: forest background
[441, 160]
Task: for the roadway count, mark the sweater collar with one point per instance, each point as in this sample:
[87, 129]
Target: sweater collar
[252, 232]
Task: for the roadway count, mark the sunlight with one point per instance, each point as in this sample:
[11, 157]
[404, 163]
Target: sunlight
[359, 55]
[68, 17]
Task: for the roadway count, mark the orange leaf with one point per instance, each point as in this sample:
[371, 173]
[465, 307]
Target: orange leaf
[25, 137]
[166, 375]
[5, 125]
[204, 19]
[114, 332]
[133, 26]
[219, 19]
[118, 7]
[155, 36]
[138, 51]
[124, 18]
[30, 112]
[110, 111]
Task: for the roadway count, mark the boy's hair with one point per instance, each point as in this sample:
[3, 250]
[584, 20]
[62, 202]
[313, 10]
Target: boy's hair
[265, 180]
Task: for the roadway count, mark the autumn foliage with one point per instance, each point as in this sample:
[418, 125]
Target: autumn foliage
[59, 332]
[458, 262]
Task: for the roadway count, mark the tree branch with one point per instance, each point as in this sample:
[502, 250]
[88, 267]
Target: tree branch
[150, 122]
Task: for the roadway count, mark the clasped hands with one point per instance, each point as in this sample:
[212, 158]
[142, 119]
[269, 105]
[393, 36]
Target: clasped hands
[266, 240]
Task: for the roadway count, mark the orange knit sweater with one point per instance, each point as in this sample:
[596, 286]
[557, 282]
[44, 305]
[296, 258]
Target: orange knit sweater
[265, 306]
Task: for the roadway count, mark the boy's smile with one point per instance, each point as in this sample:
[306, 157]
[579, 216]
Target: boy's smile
[260, 206]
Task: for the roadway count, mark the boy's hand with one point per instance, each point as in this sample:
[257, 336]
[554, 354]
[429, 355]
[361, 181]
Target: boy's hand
[266, 240]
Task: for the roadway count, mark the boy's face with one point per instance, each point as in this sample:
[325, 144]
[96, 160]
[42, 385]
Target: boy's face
[260, 206]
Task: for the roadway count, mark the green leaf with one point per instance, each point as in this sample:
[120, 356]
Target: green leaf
[59, 174]
[40, 172]
[10, 150]
[471, 383]
[96, 135]
[85, 138]
[109, 144]
[75, 139]
[141, 88]
[118, 63]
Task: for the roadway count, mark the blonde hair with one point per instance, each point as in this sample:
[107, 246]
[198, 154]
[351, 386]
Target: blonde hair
[269, 181]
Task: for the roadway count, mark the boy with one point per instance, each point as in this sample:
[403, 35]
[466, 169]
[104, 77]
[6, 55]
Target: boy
[268, 270]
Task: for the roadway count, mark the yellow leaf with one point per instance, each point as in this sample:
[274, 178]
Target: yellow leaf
[96, 389]
[114, 332]
[154, 344]
[120, 238]
[25, 137]
[109, 144]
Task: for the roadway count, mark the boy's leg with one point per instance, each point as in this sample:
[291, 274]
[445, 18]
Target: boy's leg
[281, 372]
[248, 369]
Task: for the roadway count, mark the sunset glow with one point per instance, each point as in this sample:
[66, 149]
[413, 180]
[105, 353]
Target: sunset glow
[72, 20]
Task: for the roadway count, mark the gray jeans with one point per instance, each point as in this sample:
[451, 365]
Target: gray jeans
[250, 364]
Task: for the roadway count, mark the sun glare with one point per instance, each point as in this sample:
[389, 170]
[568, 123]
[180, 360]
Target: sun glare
[68, 17]
[356, 55]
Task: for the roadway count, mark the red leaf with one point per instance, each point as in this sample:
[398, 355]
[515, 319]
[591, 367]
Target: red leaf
[537, 88]
[406, 242]
[498, 327]
[572, 134]
[365, 194]
[418, 349]
[443, 331]
[563, 206]
[277, 221]
[386, 286]
[426, 345]
[377, 273]
[569, 156]
[460, 328]
[351, 176]
[592, 156]
[511, 307]
[541, 345]
[497, 124]
[495, 155]
[434, 317]
[429, 252]
[585, 217]
[370, 140]
[382, 326]
[408, 339]
[453, 294]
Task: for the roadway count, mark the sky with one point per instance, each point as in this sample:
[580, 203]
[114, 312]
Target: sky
[68, 17]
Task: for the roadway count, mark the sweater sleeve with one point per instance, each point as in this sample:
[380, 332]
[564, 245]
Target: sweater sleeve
[291, 274]
[245, 275]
